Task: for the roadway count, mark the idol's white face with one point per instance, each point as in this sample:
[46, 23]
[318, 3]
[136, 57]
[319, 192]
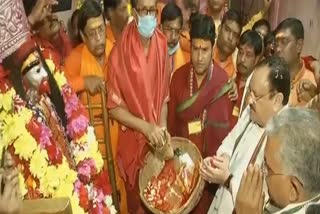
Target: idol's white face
[35, 76]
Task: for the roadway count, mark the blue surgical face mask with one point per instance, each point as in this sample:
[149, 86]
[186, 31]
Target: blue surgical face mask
[146, 25]
[174, 49]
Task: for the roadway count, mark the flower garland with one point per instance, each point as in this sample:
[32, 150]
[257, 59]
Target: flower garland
[44, 170]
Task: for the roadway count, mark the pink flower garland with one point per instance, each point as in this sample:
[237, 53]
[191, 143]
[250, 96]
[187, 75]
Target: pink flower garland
[87, 172]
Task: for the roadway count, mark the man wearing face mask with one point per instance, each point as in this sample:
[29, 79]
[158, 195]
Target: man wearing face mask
[171, 25]
[138, 92]
[290, 169]
[86, 69]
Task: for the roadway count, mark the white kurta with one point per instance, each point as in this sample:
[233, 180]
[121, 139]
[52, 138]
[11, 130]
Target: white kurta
[223, 202]
[246, 88]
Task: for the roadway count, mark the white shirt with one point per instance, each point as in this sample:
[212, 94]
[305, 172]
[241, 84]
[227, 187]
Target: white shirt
[246, 88]
[223, 202]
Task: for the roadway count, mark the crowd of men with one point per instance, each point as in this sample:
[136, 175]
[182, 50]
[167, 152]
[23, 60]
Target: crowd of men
[241, 92]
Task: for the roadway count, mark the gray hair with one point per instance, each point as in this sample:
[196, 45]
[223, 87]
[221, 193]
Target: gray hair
[298, 130]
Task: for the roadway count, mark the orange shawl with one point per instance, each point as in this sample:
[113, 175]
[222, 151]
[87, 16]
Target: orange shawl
[140, 84]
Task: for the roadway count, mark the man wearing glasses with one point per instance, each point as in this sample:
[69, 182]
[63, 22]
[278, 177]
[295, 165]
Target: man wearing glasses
[138, 92]
[269, 93]
[171, 26]
[290, 169]
[289, 44]
[86, 68]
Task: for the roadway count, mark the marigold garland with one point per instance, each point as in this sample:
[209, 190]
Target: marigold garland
[44, 170]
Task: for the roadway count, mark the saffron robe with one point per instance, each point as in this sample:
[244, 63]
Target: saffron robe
[228, 66]
[217, 122]
[178, 59]
[304, 73]
[140, 84]
[110, 40]
[79, 64]
[185, 37]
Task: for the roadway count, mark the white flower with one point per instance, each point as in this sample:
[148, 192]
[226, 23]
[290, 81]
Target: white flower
[92, 194]
[91, 137]
[108, 200]
[112, 210]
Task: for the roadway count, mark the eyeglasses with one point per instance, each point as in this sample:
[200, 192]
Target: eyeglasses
[268, 173]
[145, 11]
[96, 33]
[254, 98]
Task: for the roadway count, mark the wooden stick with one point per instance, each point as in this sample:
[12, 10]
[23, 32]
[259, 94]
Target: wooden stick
[107, 140]
[3, 153]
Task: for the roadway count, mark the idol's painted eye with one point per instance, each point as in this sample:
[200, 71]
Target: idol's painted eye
[30, 66]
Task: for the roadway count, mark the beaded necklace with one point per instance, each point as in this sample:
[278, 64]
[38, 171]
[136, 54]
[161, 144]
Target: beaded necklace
[204, 112]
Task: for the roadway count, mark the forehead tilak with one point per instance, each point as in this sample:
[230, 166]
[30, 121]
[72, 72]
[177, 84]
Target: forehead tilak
[200, 43]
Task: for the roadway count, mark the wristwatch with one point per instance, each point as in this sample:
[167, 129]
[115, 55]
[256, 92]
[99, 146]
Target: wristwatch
[227, 182]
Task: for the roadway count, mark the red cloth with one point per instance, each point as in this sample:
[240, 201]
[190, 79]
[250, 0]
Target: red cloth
[135, 205]
[141, 85]
[4, 81]
[24, 51]
[58, 49]
[218, 112]
[209, 140]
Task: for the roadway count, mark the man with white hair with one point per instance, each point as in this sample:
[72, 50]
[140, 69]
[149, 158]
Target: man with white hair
[269, 94]
[291, 168]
